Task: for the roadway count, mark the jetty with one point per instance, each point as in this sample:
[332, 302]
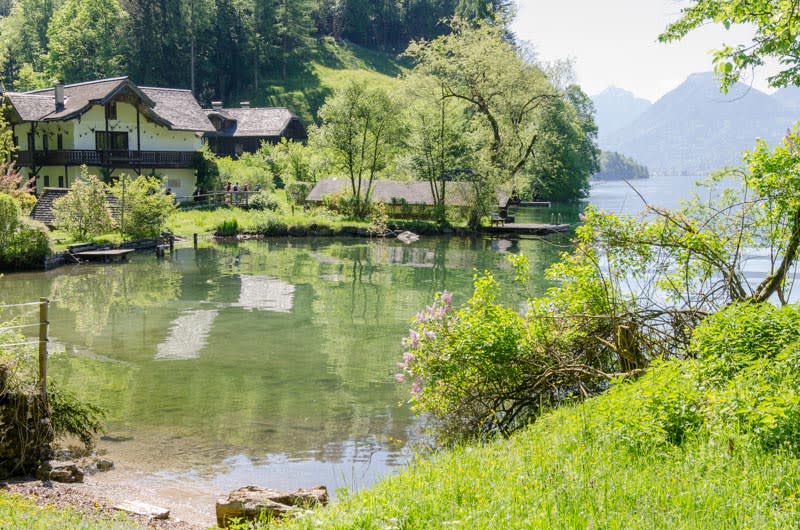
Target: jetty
[113, 254]
[512, 229]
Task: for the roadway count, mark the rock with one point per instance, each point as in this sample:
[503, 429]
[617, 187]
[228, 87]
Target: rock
[250, 502]
[59, 472]
[104, 464]
[140, 508]
[407, 237]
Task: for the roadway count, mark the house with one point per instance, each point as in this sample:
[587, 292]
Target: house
[405, 199]
[243, 130]
[110, 125]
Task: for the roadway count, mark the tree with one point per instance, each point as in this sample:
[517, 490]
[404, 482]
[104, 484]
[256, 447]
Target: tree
[359, 126]
[84, 211]
[438, 140]
[292, 30]
[506, 96]
[88, 40]
[23, 37]
[144, 206]
[567, 154]
[776, 23]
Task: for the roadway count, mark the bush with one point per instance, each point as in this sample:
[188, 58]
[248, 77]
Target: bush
[263, 200]
[227, 228]
[9, 216]
[27, 247]
[298, 191]
[271, 225]
[145, 206]
[84, 211]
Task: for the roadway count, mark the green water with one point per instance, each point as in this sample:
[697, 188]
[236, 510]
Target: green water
[264, 362]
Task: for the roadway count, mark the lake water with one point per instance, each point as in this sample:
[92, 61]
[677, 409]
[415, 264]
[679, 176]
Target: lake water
[266, 362]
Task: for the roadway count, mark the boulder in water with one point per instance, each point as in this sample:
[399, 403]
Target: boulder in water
[250, 502]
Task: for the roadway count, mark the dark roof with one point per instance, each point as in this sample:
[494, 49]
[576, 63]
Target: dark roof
[414, 192]
[254, 122]
[175, 109]
[43, 209]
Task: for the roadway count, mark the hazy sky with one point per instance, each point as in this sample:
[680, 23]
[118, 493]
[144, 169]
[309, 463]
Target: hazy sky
[614, 42]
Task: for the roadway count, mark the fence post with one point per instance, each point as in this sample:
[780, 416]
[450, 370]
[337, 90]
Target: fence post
[43, 307]
[195, 241]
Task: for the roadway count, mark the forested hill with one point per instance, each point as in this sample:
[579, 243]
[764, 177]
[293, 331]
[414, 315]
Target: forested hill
[224, 49]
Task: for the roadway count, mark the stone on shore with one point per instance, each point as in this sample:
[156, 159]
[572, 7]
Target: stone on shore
[59, 472]
[103, 464]
[141, 508]
[250, 502]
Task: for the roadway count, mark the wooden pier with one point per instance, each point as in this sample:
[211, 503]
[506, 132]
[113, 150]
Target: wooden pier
[114, 254]
[512, 229]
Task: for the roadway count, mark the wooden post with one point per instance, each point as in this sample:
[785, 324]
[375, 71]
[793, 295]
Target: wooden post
[43, 307]
[195, 241]
[171, 244]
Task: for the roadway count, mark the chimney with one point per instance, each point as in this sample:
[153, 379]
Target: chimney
[216, 105]
[58, 91]
[245, 104]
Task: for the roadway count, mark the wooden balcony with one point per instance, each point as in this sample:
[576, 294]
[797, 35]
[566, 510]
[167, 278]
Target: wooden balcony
[115, 159]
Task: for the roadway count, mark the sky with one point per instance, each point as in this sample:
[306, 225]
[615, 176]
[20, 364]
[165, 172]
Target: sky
[614, 43]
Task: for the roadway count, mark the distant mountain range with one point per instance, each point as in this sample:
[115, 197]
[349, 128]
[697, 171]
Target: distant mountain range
[693, 129]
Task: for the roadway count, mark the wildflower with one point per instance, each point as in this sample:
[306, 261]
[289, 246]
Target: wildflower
[400, 378]
[408, 357]
[413, 338]
[430, 335]
[416, 388]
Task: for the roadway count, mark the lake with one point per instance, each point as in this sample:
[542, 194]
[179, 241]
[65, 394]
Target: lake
[266, 362]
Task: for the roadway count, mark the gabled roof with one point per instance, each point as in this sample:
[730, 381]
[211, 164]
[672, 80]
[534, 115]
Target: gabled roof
[414, 192]
[175, 109]
[253, 122]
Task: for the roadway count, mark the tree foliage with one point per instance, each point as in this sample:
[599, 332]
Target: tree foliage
[776, 23]
[87, 39]
[359, 127]
[144, 206]
[84, 211]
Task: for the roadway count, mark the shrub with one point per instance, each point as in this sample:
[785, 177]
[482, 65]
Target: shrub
[228, 227]
[84, 211]
[145, 206]
[298, 191]
[9, 216]
[26, 247]
[263, 200]
[271, 225]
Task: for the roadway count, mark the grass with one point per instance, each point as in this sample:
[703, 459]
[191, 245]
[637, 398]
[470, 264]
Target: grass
[18, 512]
[335, 64]
[552, 477]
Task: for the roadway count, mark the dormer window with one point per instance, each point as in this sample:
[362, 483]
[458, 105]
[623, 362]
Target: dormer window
[111, 110]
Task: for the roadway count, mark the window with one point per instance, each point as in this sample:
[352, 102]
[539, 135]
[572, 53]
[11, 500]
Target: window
[111, 141]
[60, 141]
[45, 142]
[47, 181]
[111, 110]
[31, 140]
[61, 181]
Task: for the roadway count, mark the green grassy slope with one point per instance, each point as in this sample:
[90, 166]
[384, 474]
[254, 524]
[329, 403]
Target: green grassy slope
[334, 65]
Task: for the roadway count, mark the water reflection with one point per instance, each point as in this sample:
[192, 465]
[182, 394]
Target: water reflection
[229, 355]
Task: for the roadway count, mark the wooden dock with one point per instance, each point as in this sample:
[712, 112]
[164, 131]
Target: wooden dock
[114, 254]
[527, 229]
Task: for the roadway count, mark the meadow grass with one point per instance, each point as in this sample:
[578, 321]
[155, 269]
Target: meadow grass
[554, 476]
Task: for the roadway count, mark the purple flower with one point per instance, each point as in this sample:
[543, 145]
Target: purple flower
[416, 388]
[414, 338]
[408, 357]
[430, 335]
[399, 378]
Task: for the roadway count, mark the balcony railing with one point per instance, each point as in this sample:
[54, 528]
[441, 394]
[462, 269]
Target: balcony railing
[121, 159]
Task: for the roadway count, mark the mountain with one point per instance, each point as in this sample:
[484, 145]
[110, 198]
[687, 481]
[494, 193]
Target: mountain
[789, 97]
[695, 128]
[615, 108]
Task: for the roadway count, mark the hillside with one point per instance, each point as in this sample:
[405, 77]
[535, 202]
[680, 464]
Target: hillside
[695, 129]
[334, 64]
[789, 97]
[614, 109]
